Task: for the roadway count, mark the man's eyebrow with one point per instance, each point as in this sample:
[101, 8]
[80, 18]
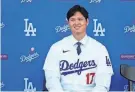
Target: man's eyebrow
[77, 18]
[72, 18]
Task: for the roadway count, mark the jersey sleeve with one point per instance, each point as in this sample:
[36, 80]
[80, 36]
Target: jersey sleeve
[104, 62]
[104, 71]
[52, 61]
[52, 72]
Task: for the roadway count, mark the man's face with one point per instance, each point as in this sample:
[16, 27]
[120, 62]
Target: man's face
[78, 23]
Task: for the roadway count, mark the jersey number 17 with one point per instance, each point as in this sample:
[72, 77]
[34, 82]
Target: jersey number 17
[89, 78]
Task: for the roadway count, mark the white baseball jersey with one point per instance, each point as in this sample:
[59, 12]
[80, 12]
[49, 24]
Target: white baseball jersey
[65, 70]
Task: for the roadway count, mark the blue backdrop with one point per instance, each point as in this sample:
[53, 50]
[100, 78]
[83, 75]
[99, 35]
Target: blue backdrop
[30, 27]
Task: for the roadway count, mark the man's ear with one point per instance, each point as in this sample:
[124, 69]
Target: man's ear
[87, 21]
[66, 20]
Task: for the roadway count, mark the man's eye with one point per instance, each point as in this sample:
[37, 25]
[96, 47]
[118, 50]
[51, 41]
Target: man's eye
[80, 19]
[72, 20]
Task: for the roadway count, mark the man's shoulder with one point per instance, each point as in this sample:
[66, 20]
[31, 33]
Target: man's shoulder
[95, 43]
[62, 42]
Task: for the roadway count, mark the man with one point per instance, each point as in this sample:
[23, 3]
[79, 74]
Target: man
[78, 63]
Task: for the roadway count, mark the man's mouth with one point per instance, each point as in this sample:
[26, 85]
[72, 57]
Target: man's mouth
[77, 27]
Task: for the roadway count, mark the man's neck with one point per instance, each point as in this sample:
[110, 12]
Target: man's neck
[79, 36]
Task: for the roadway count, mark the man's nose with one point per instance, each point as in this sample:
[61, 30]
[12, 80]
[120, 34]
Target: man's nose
[77, 22]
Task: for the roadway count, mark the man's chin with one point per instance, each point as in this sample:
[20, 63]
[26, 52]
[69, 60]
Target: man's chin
[78, 33]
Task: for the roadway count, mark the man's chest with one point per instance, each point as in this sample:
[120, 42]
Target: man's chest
[70, 62]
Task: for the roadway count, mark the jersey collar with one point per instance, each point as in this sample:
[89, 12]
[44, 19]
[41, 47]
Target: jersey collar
[83, 41]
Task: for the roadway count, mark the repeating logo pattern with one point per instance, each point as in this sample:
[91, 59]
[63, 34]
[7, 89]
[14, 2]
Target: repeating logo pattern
[94, 1]
[2, 25]
[26, 1]
[29, 86]
[1, 84]
[98, 29]
[30, 31]
[32, 55]
[129, 29]
[63, 28]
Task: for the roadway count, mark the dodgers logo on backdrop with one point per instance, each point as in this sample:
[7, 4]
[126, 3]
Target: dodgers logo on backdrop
[23, 1]
[98, 29]
[32, 55]
[63, 28]
[130, 29]
[77, 67]
[94, 1]
[1, 84]
[2, 25]
[30, 31]
[29, 86]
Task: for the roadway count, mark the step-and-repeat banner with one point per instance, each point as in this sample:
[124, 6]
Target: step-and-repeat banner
[30, 27]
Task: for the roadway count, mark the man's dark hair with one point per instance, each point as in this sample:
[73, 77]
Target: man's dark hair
[77, 8]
